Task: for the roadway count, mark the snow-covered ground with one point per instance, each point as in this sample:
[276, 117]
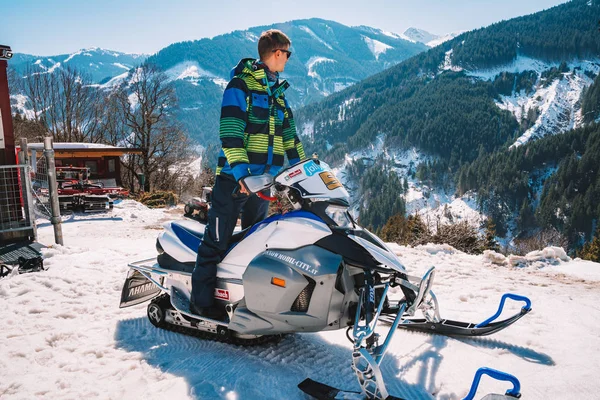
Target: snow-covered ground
[64, 337]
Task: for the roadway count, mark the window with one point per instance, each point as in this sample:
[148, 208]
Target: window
[93, 166]
[111, 165]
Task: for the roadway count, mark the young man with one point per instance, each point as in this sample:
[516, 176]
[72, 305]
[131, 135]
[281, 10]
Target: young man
[256, 129]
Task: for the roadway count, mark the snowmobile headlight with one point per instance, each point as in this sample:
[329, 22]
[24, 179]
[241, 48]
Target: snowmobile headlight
[339, 215]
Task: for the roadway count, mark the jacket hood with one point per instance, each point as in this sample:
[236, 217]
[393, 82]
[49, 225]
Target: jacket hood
[245, 65]
[257, 71]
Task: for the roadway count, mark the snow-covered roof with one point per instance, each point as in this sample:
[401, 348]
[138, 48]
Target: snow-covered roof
[65, 147]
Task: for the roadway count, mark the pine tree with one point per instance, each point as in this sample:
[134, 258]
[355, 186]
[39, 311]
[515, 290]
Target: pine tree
[490, 242]
[591, 250]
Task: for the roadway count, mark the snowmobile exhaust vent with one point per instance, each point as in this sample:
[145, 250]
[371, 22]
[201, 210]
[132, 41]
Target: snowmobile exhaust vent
[303, 300]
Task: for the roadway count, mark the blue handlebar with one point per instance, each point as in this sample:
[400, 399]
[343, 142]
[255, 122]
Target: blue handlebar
[498, 375]
[502, 301]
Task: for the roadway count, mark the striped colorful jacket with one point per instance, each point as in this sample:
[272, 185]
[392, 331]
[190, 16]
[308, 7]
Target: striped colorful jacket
[257, 125]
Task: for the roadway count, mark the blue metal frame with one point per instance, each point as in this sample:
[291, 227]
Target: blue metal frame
[498, 375]
[511, 296]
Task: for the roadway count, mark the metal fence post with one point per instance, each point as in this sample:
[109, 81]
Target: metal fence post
[53, 189]
[24, 160]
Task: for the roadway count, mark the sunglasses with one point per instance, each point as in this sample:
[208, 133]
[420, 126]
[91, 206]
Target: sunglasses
[287, 52]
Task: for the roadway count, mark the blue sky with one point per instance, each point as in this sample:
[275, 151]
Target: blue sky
[45, 27]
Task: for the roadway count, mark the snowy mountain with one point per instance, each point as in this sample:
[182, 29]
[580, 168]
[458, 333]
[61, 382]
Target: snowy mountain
[420, 35]
[64, 337]
[100, 64]
[441, 39]
[428, 39]
[327, 57]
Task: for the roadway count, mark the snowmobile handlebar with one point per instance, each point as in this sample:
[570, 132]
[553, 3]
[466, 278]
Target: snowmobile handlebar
[265, 197]
[256, 184]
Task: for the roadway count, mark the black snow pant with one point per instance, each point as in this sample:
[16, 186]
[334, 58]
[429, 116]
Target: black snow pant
[222, 218]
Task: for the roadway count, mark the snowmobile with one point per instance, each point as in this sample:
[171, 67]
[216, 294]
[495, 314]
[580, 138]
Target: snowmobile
[309, 270]
[198, 207]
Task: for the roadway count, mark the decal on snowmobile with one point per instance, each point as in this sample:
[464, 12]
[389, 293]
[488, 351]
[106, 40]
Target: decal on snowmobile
[330, 180]
[292, 261]
[221, 294]
[137, 289]
[294, 173]
[311, 168]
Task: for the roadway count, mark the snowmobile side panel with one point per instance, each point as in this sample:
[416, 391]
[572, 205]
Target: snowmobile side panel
[276, 234]
[305, 294]
[137, 289]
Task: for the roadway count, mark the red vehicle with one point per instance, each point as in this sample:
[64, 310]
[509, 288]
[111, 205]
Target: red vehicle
[76, 192]
[197, 207]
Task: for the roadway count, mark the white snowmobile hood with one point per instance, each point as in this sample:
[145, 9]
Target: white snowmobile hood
[382, 254]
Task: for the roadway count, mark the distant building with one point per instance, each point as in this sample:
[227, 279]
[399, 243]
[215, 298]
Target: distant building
[101, 159]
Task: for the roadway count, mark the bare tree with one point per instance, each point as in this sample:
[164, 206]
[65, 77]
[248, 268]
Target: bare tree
[76, 107]
[65, 102]
[147, 102]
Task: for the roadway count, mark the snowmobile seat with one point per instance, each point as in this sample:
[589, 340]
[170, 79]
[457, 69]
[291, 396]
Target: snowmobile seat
[192, 239]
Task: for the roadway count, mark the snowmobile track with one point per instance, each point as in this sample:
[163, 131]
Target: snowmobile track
[208, 335]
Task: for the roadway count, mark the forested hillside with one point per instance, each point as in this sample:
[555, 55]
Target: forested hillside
[553, 182]
[468, 100]
[391, 102]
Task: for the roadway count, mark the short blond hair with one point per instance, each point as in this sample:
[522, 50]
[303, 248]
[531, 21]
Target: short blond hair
[270, 40]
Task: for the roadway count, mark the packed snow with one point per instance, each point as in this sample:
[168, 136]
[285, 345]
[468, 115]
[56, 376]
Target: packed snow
[64, 337]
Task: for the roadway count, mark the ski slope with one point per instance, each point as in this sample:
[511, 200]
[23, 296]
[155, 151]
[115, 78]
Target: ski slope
[64, 337]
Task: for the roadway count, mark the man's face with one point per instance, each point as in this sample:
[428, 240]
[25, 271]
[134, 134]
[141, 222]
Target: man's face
[280, 58]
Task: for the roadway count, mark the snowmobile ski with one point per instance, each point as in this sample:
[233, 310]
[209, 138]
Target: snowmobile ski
[321, 391]
[449, 327]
